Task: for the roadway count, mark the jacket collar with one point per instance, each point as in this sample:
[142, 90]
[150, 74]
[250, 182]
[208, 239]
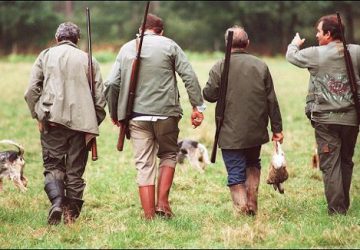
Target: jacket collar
[335, 42]
[68, 43]
[146, 33]
[239, 51]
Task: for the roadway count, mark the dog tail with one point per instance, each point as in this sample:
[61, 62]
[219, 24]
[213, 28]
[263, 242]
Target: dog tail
[10, 142]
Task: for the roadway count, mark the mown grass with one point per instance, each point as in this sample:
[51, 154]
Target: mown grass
[111, 216]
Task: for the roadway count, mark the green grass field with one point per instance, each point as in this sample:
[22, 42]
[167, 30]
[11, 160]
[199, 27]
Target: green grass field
[111, 216]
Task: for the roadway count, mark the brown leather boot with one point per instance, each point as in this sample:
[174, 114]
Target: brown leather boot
[238, 195]
[165, 180]
[147, 199]
[252, 187]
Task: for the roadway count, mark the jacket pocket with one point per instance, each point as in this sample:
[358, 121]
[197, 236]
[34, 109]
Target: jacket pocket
[44, 106]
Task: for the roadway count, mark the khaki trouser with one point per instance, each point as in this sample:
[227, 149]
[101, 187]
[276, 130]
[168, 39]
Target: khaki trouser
[151, 139]
[64, 157]
[336, 145]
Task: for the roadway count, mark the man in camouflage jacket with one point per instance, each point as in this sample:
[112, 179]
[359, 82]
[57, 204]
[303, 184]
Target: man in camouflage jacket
[332, 109]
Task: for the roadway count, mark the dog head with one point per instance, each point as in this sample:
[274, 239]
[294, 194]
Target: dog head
[185, 146]
[12, 165]
[195, 152]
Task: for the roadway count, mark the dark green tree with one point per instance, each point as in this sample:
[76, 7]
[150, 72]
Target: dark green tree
[195, 25]
[25, 25]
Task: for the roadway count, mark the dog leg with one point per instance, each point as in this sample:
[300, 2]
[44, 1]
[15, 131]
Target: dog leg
[202, 165]
[19, 184]
[193, 159]
[315, 158]
[1, 184]
[24, 180]
[205, 154]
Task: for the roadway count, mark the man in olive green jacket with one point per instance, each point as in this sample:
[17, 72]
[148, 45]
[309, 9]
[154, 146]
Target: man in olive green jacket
[59, 98]
[250, 102]
[154, 123]
[332, 112]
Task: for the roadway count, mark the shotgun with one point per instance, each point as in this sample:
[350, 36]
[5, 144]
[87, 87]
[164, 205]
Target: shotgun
[220, 104]
[124, 124]
[94, 155]
[349, 69]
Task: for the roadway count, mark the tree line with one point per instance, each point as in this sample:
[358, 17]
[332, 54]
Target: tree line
[29, 26]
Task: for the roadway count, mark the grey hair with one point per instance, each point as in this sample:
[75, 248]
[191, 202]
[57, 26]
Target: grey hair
[240, 37]
[68, 31]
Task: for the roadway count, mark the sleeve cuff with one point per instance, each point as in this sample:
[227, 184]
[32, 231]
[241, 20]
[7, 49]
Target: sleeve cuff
[201, 108]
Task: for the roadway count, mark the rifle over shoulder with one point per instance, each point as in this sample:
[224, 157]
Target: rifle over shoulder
[124, 125]
[94, 155]
[220, 105]
[349, 69]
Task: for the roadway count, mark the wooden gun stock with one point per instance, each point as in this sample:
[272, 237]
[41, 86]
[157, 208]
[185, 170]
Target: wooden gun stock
[94, 155]
[349, 70]
[122, 133]
[130, 103]
[220, 105]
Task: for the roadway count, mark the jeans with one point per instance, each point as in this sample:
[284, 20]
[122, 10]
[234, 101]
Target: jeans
[237, 160]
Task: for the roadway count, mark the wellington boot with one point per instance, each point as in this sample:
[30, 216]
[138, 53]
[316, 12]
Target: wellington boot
[147, 199]
[252, 187]
[239, 198]
[72, 209]
[165, 180]
[55, 193]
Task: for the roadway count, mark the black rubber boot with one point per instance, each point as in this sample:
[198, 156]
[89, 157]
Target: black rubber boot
[72, 209]
[55, 193]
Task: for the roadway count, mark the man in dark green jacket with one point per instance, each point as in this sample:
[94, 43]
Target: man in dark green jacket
[154, 123]
[250, 102]
[60, 100]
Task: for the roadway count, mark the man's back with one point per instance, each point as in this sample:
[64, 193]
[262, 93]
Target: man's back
[65, 71]
[249, 101]
[157, 91]
[65, 91]
[333, 102]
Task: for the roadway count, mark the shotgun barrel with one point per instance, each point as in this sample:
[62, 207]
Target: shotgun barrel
[350, 70]
[94, 154]
[220, 104]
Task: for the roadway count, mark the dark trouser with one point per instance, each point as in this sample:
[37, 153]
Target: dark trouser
[237, 160]
[64, 157]
[336, 145]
